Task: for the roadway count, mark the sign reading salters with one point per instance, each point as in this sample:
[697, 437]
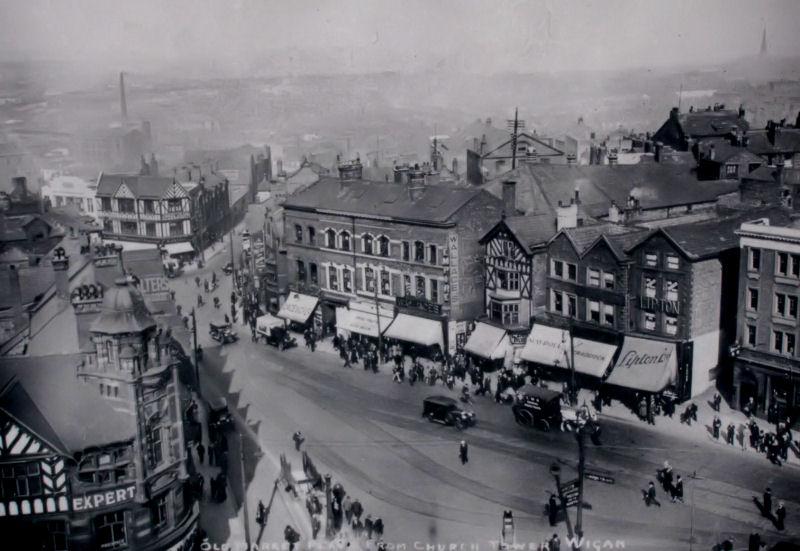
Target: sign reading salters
[107, 498]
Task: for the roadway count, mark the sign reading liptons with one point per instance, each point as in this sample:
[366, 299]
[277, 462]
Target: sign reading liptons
[100, 500]
[632, 358]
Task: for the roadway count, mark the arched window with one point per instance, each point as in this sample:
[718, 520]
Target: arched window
[345, 240]
[383, 245]
[330, 239]
[367, 239]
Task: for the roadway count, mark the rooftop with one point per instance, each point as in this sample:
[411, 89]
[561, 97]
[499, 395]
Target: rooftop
[432, 203]
[123, 311]
[701, 240]
[540, 186]
[45, 395]
[153, 187]
[711, 123]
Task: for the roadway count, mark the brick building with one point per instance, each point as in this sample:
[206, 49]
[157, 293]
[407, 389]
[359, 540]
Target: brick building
[766, 358]
[411, 249]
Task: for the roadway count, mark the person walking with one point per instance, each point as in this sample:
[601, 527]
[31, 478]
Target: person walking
[368, 526]
[552, 510]
[201, 452]
[298, 440]
[666, 477]
[677, 490]
[731, 434]
[767, 503]
[649, 495]
[377, 527]
[780, 516]
[357, 509]
[715, 426]
[463, 452]
[717, 401]
[261, 513]
[554, 544]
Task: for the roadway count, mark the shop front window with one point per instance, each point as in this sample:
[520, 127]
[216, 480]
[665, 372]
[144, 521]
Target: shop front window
[110, 530]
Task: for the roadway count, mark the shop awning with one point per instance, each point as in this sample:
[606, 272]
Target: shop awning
[406, 327]
[551, 346]
[363, 321]
[173, 249]
[487, 341]
[298, 307]
[266, 322]
[645, 364]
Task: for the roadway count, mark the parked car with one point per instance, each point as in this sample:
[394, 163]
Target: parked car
[227, 269]
[445, 410]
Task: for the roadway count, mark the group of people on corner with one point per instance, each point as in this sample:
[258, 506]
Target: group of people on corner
[775, 445]
[353, 350]
[217, 456]
[778, 516]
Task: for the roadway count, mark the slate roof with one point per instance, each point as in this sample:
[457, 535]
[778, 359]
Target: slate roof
[725, 152]
[47, 397]
[540, 186]
[787, 140]
[143, 187]
[532, 231]
[707, 239]
[711, 123]
[431, 204]
[791, 176]
[617, 236]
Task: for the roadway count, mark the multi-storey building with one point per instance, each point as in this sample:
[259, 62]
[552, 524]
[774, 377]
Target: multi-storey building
[587, 300]
[93, 449]
[157, 209]
[413, 250]
[766, 358]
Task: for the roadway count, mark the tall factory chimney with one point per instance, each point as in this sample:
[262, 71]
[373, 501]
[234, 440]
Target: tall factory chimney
[123, 104]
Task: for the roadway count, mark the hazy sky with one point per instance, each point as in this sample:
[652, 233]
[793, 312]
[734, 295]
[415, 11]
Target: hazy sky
[370, 35]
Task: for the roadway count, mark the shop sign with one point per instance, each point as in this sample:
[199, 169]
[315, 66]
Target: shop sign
[599, 477]
[659, 305]
[419, 304]
[108, 498]
[633, 359]
[517, 339]
[453, 259]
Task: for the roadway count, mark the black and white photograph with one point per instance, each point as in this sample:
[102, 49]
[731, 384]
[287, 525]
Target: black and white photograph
[399, 275]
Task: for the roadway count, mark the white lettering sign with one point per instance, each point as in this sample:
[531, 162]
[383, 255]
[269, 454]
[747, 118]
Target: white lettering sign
[108, 498]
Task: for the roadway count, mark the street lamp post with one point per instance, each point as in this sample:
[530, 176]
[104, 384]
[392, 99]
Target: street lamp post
[194, 350]
[581, 434]
[555, 470]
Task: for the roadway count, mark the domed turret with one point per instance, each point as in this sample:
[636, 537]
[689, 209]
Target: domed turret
[123, 311]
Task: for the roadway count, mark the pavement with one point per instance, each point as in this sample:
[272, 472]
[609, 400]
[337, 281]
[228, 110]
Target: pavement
[367, 432]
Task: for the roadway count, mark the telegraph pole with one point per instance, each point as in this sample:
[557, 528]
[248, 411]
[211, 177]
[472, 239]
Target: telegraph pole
[233, 264]
[555, 470]
[581, 468]
[514, 125]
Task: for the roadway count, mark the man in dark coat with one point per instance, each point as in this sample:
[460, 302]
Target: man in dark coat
[552, 510]
[649, 495]
[767, 502]
[677, 490]
[754, 543]
[201, 452]
[715, 426]
[780, 516]
[463, 452]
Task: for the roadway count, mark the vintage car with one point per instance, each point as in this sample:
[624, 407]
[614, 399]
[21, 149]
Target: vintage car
[219, 416]
[445, 410]
[222, 332]
[273, 331]
[535, 406]
[227, 269]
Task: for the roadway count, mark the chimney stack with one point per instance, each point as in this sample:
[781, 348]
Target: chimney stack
[153, 165]
[123, 103]
[577, 196]
[657, 154]
[510, 197]
[455, 166]
[567, 216]
[614, 214]
[60, 263]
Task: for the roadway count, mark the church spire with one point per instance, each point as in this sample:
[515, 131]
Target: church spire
[764, 42]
